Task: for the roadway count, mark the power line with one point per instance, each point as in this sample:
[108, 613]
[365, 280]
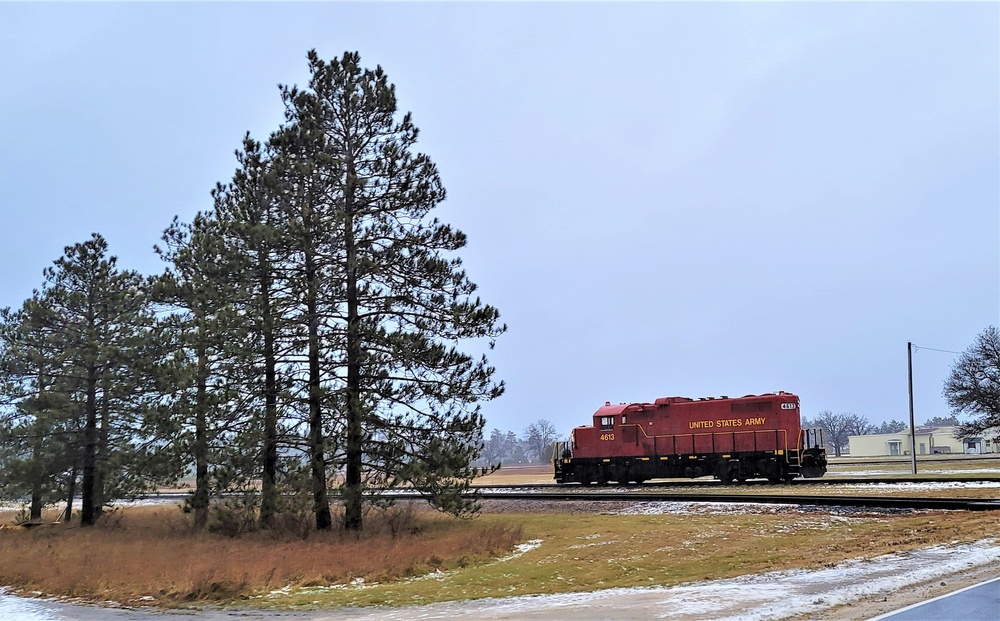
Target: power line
[946, 351]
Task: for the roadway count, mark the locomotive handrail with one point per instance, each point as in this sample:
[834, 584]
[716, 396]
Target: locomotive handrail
[779, 435]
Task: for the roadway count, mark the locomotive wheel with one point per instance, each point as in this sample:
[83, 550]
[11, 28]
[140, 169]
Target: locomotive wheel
[727, 471]
[774, 474]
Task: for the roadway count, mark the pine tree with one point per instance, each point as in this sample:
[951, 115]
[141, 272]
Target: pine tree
[385, 301]
[107, 348]
[304, 189]
[257, 255]
[39, 454]
[199, 288]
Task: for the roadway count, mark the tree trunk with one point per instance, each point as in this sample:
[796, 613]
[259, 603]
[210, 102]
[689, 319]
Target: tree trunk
[321, 504]
[352, 487]
[100, 494]
[36, 500]
[70, 492]
[87, 514]
[269, 487]
[37, 470]
[199, 503]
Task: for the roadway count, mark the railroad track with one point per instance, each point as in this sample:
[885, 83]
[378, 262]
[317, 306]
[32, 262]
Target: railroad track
[682, 483]
[760, 482]
[882, 502]
[648, 492]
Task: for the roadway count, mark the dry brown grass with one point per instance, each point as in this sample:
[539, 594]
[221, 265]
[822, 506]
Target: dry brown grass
[150, 554]
[518, 475]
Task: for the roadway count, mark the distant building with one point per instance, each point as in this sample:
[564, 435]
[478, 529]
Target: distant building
[929, 441]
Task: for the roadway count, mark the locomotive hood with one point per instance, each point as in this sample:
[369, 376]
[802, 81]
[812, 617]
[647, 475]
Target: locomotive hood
[611, 410]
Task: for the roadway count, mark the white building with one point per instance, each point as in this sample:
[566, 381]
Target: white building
[928, 440]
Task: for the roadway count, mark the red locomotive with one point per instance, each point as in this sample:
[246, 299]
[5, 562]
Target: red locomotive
[756, 436]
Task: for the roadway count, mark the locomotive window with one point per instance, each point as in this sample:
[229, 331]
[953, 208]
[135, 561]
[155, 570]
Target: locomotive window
[607, 422]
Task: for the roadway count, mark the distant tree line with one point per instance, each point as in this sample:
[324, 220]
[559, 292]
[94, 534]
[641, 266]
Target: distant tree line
[533, 446]
[303, 335]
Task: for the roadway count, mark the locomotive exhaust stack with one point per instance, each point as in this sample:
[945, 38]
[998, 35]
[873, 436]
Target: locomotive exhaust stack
[756, 436]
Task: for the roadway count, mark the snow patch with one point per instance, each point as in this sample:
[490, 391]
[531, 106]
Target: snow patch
[823, 515]
[761, 597]
[921, 487]
[520, 550]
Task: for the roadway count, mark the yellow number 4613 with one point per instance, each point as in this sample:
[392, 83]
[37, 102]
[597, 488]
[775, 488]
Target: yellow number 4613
[607, 437]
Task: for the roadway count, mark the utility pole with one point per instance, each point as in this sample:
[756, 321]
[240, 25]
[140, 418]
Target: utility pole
[913, 428]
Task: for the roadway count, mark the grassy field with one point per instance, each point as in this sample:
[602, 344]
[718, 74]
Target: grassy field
[148, 555]
[411, 554]
[585, 552]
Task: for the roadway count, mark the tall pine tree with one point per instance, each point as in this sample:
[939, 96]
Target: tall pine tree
[39, 425]
[258, 250]
[401, 302]
[106, 346]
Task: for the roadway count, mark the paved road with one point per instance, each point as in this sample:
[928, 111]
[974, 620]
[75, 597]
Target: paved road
[979, 602]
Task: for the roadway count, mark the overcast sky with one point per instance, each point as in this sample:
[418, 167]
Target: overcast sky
[662, 199]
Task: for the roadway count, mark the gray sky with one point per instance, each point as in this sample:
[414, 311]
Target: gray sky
[662, 199]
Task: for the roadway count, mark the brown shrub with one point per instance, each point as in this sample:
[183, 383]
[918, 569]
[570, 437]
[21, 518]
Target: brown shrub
[152, 552]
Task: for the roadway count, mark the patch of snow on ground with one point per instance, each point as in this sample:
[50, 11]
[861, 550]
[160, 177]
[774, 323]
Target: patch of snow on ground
[975, 471]
[750, 508]
[922, 487]
[520, 550]
[762, 597]
[437, 574]
[882, 473]
[864, 473]
[690, 508]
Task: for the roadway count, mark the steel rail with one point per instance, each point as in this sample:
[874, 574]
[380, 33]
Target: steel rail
[757, 482]
[599, 495]
[675, 483]
[885, 502]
